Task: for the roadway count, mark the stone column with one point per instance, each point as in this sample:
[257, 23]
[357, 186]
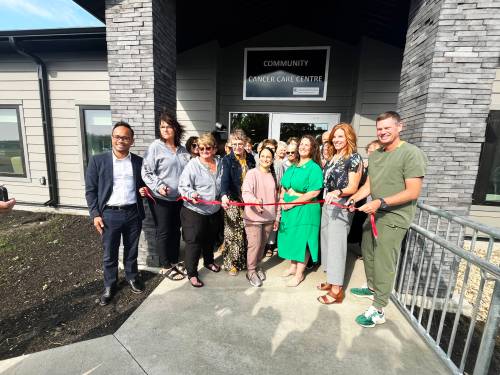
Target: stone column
[141, 43]
[451, 54]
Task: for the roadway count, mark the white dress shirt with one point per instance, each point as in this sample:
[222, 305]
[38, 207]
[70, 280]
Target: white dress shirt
[123, 182]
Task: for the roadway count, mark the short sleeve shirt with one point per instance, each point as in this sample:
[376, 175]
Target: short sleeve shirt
[336, 173]
[387, 172]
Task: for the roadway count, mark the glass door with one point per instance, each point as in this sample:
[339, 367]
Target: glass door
[286, 125]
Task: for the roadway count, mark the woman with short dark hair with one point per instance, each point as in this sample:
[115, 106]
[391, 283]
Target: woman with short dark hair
[192, 146]
[163, 164]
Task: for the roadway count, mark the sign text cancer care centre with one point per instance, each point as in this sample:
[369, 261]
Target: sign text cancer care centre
[286, 73]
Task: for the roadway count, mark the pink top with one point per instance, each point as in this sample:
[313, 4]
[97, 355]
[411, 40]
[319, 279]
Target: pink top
[259, 185]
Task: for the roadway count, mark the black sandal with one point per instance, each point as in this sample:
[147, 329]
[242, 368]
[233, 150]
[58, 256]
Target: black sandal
[213, 267]
[173, 274]
[182, 268]
[198, 284]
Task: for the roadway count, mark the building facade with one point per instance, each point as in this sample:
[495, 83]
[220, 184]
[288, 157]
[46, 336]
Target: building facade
[434, 61]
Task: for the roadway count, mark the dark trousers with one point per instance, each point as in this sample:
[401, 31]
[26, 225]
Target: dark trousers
[118, 224]
[168, 231]
[200, 234]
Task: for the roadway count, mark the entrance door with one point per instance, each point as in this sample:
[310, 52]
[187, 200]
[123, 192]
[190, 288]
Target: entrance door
[286, 125]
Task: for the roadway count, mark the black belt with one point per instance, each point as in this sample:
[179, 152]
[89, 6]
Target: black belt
[126, 207]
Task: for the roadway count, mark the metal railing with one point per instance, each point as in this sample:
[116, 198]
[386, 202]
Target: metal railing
[432, 287]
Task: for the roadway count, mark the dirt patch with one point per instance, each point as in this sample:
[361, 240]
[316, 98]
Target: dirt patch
[50, 282]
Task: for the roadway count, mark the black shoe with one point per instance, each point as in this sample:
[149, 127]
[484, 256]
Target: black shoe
[137, 286]
[107, 296]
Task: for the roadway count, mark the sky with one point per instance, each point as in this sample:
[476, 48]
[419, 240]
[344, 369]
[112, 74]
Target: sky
[44, 14]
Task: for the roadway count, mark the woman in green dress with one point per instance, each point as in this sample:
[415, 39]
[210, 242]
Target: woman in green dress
[299, 228]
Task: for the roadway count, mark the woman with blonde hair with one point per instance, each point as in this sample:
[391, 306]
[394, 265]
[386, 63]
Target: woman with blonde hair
[235, 166]
[298, 233]
[201, 179]
[341, 177]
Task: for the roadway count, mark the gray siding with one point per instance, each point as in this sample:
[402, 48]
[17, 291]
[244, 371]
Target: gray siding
[73, 81]
[378, 87]
[196, 88]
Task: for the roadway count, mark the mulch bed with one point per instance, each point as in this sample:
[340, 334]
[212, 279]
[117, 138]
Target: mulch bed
[50, 283]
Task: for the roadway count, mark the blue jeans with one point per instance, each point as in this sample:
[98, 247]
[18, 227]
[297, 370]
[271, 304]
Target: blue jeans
[118, 224]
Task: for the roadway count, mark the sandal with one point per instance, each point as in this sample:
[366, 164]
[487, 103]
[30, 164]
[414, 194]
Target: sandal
[324, 286]
[288, 273]
[197, 282]
[213, 267]
[295, 282]
[331, 298]
[172, 274]
[182, 268]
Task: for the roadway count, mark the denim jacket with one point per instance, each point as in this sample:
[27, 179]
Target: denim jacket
[231, 175]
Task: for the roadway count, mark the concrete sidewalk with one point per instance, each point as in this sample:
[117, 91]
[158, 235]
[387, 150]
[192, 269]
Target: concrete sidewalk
[230, 327]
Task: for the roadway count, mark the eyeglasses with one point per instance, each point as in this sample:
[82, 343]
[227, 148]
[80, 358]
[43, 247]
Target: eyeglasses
[238, 145]
[208, 148]
[194, 145]
[290, 152]
[123, 139]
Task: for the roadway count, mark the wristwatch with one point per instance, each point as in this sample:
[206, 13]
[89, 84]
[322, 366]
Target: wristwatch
[383, 204]
[351, 202]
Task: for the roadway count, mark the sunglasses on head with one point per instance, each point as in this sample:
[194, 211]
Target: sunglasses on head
[203, 148]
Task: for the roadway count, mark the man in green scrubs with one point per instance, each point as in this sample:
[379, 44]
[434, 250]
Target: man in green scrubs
[394, 181]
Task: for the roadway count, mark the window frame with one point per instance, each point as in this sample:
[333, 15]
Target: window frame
[83, 128]
[22, 139]
[485, 164]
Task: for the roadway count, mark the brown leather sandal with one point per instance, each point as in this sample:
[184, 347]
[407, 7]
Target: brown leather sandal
[331, 298]
[324, 286]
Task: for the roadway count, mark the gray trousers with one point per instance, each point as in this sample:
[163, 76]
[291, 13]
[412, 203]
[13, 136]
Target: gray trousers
[335, 225]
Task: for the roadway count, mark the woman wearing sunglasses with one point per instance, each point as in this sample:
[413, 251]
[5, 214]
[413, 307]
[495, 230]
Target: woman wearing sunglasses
[235, 167]
[201, 179]
[192, 146]
[163, 164]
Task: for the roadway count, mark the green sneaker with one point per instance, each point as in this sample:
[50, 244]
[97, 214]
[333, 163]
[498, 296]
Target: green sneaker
[363, 292]
[370, 318]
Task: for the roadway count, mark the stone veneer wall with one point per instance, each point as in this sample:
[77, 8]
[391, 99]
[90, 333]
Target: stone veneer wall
[141, 40]
[451, 53]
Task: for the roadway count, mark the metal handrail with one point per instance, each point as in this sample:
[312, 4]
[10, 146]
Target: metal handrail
[427, 274]
[483, 228]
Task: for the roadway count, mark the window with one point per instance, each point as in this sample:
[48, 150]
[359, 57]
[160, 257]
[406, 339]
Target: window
[255, 125]
[96, 130]
[487, 189]
[12, 163]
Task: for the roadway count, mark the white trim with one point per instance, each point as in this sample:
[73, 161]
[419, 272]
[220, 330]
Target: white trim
[327, 66]
[26, 178]
[279, 117]
[253, 112]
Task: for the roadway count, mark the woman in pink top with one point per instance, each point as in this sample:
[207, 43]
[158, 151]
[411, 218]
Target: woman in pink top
[259, 186]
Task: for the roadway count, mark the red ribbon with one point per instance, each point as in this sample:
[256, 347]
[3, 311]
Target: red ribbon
[242, 204]
[149, 196]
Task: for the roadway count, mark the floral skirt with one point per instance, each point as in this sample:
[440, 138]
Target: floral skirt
[235, 242]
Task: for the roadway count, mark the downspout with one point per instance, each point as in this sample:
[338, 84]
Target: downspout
[43, 86]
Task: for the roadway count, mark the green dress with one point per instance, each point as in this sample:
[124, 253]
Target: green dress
[299, 225]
